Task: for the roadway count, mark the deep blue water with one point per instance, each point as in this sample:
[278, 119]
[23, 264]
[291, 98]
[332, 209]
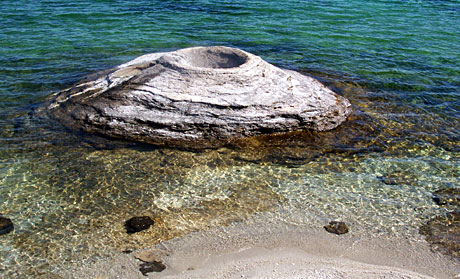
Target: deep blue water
[397, 61]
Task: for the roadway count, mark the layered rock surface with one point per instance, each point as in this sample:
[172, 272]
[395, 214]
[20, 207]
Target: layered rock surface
[201, 96]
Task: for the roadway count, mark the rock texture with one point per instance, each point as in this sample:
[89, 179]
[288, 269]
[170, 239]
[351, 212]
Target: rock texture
[137, 224]
[6, 225]
[147, 256]
[336, 227]
[154, 266]
[201, 96]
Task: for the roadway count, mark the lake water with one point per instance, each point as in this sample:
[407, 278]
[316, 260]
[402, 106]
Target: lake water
[68, 193]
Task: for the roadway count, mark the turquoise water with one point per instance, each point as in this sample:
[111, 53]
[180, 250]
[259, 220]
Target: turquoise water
[398, 62]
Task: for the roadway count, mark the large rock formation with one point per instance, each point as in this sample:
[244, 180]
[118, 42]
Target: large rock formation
[201, 96]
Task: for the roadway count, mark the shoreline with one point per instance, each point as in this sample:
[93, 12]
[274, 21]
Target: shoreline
[279, 250]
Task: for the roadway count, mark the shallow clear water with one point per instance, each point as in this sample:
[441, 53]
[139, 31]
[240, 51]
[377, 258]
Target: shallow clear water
[68, 194]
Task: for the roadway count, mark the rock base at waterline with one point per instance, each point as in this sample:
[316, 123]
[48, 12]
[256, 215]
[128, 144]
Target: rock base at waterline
[202, 96]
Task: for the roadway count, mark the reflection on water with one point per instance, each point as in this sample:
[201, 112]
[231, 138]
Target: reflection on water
[69, 194]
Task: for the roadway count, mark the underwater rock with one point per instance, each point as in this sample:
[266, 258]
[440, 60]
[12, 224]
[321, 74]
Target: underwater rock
[151, 267]
[336, 227]
[443, 233]
[447, 196]
[137, 224]
[198, 97]
[398, 178]
[6, 225]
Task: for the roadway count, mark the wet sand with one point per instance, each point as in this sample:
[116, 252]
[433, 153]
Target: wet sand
[264, 249]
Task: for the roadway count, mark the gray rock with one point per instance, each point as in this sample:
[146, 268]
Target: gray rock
[201, 96]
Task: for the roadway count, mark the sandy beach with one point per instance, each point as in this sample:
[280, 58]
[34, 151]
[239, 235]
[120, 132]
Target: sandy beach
[277, 250]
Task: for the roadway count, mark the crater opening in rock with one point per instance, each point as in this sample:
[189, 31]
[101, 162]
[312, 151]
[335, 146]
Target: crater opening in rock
[215, 58]
[199, 97]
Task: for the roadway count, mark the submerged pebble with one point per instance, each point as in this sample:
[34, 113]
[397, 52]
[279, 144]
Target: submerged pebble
[152, 267]
[137, 224]
[336, 227]
[6, 225]
[398, 178]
